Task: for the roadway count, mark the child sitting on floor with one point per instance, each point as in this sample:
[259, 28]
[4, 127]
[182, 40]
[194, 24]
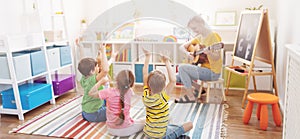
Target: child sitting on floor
[118, 100]
[155, 98]
[93, 110]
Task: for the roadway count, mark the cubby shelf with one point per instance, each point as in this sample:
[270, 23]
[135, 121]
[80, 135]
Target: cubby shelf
[22, 49]
[19, 88]
[62, 67]
[63, 42]
[133, 54]
[134, 57]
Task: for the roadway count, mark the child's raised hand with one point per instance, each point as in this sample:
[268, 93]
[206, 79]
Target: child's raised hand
[164, 58]
[77, 41]
[102, 48]
[98, 58]
[146, 52]
[105, 79]
[113, 57]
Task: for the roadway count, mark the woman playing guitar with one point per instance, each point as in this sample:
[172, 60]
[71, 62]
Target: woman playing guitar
[211, 61]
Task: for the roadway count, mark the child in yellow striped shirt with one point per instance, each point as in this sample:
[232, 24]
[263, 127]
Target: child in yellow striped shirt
[155, 98]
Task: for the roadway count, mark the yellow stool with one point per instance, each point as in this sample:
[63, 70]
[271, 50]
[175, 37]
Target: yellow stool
[262, 99]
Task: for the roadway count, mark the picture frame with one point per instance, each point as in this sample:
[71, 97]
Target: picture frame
[225, 18]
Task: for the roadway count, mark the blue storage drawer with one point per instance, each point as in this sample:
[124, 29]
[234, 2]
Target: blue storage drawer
[65, 55]
[32, 95]
[38, 61]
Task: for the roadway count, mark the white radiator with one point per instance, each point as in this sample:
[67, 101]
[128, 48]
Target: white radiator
[291, 124]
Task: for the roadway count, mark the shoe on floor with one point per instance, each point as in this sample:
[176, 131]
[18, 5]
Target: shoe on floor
[184, 99]
[183, 137]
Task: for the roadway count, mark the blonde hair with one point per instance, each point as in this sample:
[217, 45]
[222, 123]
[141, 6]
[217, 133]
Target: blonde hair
[156, 81]
[196, 19]
[200, 23]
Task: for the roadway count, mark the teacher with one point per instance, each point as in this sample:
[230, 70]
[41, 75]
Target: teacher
[209, 64]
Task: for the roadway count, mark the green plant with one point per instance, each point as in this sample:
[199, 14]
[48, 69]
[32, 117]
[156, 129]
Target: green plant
[83, 21]
[254, 8]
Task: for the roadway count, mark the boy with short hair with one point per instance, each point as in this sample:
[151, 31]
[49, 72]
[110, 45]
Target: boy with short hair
[155, 98]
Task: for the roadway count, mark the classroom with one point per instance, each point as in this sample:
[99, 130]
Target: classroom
[86, 69]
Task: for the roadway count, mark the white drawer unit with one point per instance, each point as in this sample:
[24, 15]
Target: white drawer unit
[53, 57]
[291, 106]
[22, 66]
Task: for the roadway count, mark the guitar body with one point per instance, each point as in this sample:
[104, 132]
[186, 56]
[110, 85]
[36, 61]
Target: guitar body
[198, 59]
[199, 56]
[202, 58]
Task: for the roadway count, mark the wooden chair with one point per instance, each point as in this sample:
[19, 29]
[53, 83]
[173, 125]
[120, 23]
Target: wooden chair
[213, 84]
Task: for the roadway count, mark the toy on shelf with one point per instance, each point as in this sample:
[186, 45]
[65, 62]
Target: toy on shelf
[170, 38]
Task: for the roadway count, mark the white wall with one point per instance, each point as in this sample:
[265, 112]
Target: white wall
[11, 11]
[288, 32]
[93, 8]
[209, 7]
[12, 16]
[74, 12]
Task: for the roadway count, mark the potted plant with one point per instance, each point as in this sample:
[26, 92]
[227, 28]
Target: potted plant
[254, 8]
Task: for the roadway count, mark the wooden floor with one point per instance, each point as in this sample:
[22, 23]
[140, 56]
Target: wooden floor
[235, 127]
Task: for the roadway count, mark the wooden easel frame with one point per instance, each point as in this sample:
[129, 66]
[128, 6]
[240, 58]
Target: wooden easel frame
[262, 51]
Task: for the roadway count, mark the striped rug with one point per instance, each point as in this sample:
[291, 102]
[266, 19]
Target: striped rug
[65, 121]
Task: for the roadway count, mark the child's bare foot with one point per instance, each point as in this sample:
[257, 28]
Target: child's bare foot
[187, 126]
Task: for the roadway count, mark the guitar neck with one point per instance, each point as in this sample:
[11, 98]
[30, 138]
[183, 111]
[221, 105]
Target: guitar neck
[201, 51]
[214, 47]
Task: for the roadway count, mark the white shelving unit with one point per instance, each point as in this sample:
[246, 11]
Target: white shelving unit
[154, 42]
[136, 55]
[9, 44]
[8, 50]
[54, 26]
[32, 40]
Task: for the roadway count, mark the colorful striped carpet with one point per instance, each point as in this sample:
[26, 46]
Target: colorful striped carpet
[65, 121]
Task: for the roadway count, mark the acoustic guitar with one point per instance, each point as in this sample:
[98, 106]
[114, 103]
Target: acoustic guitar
[200, 57]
